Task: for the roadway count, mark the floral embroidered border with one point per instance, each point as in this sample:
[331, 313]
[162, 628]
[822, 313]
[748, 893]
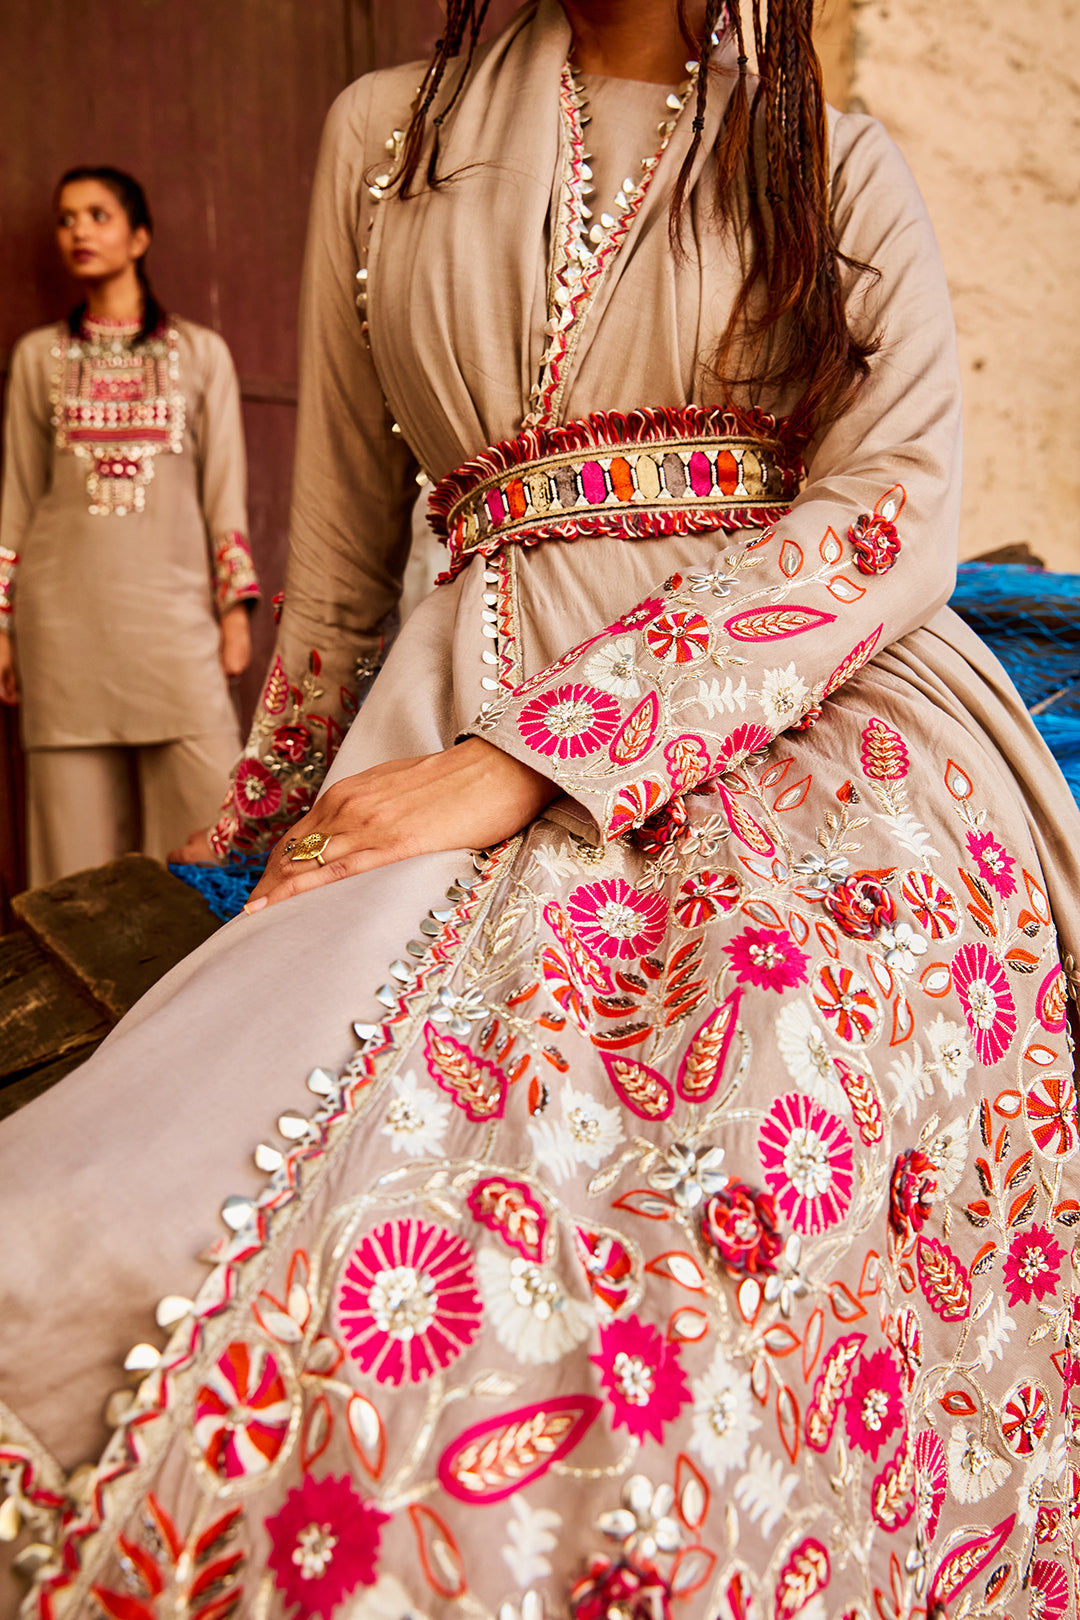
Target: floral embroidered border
[235, 579]
[9, 562]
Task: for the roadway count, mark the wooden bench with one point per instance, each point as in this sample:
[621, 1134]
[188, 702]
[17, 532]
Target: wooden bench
[84, 951]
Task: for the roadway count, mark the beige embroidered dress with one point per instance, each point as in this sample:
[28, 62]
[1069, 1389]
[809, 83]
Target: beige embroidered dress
[670, 1212]
[122, 540]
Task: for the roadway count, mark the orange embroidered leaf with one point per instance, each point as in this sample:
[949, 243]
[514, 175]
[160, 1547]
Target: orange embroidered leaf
[119, 1606]
[440, 1558]
[365, 1429]
[679, 1267]
[1022, 1207]
[687, 1325]
[692, 1569]
[812, 1339]
[317, 1431]
[692, 1494]
[149, 1569]
[618, 1040]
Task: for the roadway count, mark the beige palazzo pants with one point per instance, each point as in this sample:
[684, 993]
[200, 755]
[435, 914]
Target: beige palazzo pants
[87, 805]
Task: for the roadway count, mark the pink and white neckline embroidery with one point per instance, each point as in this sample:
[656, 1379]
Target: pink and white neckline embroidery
[582, 252]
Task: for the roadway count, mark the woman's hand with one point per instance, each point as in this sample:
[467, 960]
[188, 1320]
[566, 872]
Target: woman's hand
[9, 680]
[195, 852]
[466, 797]
[235, 649]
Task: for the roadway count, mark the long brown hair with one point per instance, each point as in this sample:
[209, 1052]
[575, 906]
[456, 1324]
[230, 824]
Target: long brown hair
[788, 331]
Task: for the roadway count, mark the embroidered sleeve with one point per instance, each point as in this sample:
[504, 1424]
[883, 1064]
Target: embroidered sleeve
[353, 490]
[27, 452]
[678, 690]
[235, 579]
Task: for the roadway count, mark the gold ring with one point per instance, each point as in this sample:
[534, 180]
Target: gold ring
[311, 848]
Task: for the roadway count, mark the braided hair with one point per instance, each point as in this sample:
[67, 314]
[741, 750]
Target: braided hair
[788, 331]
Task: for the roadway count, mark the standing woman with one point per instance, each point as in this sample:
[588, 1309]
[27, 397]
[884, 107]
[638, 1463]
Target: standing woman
[125, 574]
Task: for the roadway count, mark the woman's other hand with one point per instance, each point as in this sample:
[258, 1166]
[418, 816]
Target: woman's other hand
[235, 650]
[9, 680]
[467, 797]
[195, 852]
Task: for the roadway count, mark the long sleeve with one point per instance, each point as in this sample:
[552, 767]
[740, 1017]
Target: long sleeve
[712, 665]
[353, 490]
[27, 452]
[219, 441]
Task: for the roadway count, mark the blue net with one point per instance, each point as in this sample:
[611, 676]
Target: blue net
[224, 888]
[1031, 619]
[1028, 617]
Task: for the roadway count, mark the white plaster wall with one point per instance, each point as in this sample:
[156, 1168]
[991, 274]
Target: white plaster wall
[983, 98]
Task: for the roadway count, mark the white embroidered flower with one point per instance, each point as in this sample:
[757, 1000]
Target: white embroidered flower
[952, 1054]
[416, 1117]
[975, 1469]
[783, 697]
[531, 1534]
[992, 1343]
[586, 1133]
[765, 1490]
[1029, 1497]
[911, 1081]
[533, 1317]
[611, 667]
[948, 1152]
[902, 947]
[724, 1416]
[805, 1052]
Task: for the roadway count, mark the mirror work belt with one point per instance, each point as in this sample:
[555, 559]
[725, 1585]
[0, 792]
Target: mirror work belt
[634, 475]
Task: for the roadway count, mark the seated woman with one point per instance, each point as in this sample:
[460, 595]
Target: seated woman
[669, 1207]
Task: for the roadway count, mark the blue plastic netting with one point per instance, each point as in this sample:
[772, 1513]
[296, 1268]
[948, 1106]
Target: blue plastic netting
[1028, 617]
[224, 888]
[1031, 620]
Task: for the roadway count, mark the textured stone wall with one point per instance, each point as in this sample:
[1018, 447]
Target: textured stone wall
[984, 100]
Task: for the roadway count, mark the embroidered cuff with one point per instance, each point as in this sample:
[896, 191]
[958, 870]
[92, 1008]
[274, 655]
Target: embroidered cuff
[9, 562]
[235, 579]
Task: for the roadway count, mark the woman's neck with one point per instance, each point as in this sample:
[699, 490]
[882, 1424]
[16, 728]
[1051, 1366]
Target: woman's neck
[632, 39]
[116, 298]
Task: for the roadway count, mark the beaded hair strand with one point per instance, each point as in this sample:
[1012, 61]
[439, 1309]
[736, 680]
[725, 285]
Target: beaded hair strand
[787, 333]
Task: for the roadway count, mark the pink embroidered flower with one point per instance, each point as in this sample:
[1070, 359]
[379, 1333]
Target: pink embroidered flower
[740, 1223]
[678, 636]
[1050, 1106]
[242, 1412]
[407, 1302]
[807, 1156]
[931, 1479]
[569, 721]
[1048, 1588]
[1033, 1265]
[705, 895]
[911, 1194]
[644, 613]
[1025, 1418]
[860, 906]
[874, 1408]
[875, 543]
[634, 804]
[324, 1543]
[934, 906]
[641, 1377]
[612, 919]
[743, 740]
[846, 1002]
[767, 957]
[630, 1589]
[987, 1001]
[257, 792]
[995, 865]
[291, 742]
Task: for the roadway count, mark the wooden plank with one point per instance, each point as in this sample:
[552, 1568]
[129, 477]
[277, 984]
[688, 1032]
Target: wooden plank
[117, 928]
[43, 1014]
[21, 1091]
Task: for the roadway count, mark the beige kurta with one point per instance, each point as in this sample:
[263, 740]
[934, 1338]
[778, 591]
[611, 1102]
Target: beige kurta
[124, 505]
[677, 1224]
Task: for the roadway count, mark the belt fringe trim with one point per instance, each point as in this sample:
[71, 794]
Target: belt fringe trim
[633, 475]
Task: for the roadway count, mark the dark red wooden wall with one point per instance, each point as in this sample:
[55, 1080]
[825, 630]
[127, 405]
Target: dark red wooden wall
[217, 108]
